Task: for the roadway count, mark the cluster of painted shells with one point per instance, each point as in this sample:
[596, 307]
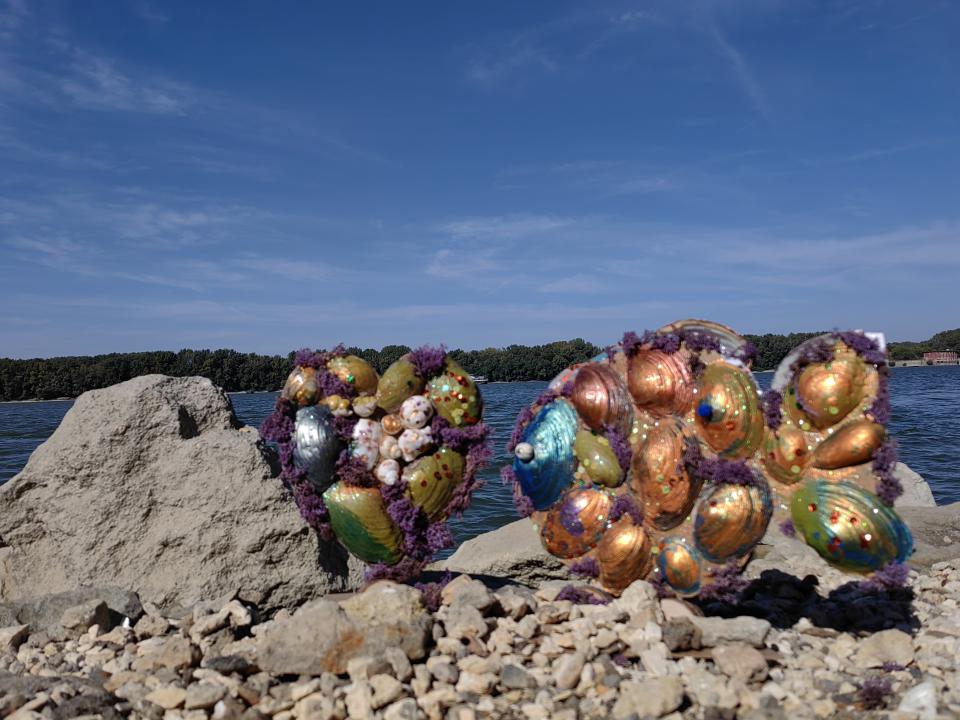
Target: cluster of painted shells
[655, 460]
[369, 462]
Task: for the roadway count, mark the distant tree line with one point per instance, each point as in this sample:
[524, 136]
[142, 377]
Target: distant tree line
[47, 379]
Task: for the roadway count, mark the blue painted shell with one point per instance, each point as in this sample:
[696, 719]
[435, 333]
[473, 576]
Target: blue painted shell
[550, 471]
[680, 565]
[317, 445]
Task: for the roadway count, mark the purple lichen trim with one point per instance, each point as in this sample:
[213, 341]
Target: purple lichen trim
[581, 596]
[585, 567]
[772, 409]
[428, 361]
[788, 528]
[630, 343]
[659, 583]
[459, 439]
[718, 471]
[354, 471]
[330, 384]
[278, 426]
[626, 505]
[817, 351]
[880, 409]
[863, 346]
[891, 576]
[432, 591]
[884, 462]
[697, 341]
[343, 426]
[747, 353]
[697, 366]
[620, 446]
[892, 667]
[665, 342]
[520, 501]
[527, 414]
[305, 357]
[874, 692]
[401, 572]
[728, 583]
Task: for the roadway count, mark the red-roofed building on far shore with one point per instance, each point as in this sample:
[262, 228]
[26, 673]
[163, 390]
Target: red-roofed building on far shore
[942, 357]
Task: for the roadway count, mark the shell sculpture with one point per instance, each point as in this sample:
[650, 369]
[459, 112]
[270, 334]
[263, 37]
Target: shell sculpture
[660, 459]
[380, 463]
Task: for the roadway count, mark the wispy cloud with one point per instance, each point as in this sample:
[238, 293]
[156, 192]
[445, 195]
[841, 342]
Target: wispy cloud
[146, 10]
[505, 227]
[12, 14]
[579, 284]
[742, 71]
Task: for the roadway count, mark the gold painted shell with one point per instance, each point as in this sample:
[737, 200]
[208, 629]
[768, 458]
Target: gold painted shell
[786, 454]
[731, 520]
[728, 410]
[455, 396]
[601, 398]
[660, 383]
[825, 393]
[852, 444]
[432, 480]
[623, 555]
[659, 477]
[399, 382]
[355, 371]
[576, 523]
[301, 386]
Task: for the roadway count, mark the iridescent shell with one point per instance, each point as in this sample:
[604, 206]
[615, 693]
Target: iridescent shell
[660, 383]
[361, 523]
[660, 478]
[848, 526]
[728, 412]
[432, 480]
[623, 555]
[399, 382]
[731, 342]
[853, 444]
[823, 394]
[597, 459]
[731, 520]
[680, 565]
[549, 472]
[601, 398]
[455, 396]
[301, 386]
[786, 454]
[391, 424]
[317, 445]
[355, 371]
[576, 524]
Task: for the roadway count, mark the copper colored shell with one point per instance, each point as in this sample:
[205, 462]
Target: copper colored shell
[660, 479]
[355, 371]
[786, 454]
[392, 424]
[301, 386]
[660, 383]
[623, 555]
[825, 393]
[601, 398]
[731, 520]
[728, 410]
[852, 444]
[576, 523]
[680, 565]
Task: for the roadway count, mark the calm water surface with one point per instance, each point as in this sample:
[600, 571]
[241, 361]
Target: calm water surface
[925, 423]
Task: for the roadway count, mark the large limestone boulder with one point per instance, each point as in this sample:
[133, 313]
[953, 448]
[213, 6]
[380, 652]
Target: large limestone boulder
[513, 551]
[152, 485]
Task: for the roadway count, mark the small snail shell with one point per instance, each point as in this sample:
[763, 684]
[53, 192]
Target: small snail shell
[524, 452]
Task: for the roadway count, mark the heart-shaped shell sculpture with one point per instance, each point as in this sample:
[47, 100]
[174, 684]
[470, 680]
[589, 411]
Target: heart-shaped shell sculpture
[380, 463]
[660, 458]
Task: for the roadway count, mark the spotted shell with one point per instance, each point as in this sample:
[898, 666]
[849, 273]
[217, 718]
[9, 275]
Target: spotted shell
[728, 410]
[317, 445]
[355, 371]
[551, 433]
[455, 395]
[786, 454]
[432, 480]
[853, 444]
[575, 524]
[597, 459]
[301, 386]
[731, 520]
[680, 565]
[848, 526]
[601, 398]
[360, 521]
[660, 383]
[399, 382]
[823, 394]
[659, 477]
[623, 555]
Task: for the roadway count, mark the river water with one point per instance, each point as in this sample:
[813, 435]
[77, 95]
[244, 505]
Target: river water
[925, 422]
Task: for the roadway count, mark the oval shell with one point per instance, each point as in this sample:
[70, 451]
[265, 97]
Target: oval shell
[576, 524]
[731, 342]
[355, 371]
[852, 444]
[660, 383]
[623, 555]
[301, 386]
[848, 526]
[728, 412]
[731, 520]
[680, 565]
[660, 478]
[551, 433]
[432, 480]
[825, 393]
[317, 445]
[455, 396]
[601, 398]
[399, 382]
[786, 454]
[597, 459]
[361, 523]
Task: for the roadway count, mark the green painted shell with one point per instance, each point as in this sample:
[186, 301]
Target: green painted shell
[597, 459]
[432, 480]
[455, 396]
[399, 382]
[360, 522]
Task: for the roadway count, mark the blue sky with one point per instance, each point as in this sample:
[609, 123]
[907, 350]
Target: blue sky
[265, 176]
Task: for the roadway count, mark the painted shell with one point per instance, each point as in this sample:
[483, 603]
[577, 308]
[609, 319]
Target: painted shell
[660, 478]
[361, 523]
[432, 480]
[728, 339]
[852, 444]
[823, 394]
[660, 383]
[728, 410]
[399, 382]
[623, 555]
[576, 524]
[597, 459]
[355, 371]
[455, 396]
[786, 454]
[545, 476]
[601, 398]
[848, 526]
[680, 565]
[317, 445]
[731, 520]
[301, 386]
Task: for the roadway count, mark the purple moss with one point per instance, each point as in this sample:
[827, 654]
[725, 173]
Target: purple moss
[772, 412]
[523, 419]
[630, 343]
[305, 357]
[728, 583]
[354, 471]
[478, 457]
[402, 571]
[863, 346]
[621, 660]
[428, 361]
[330, 384]
[343, 426]
[718, 471]
[459, 439]
[667, 342]
[816, 351]
[700, 342]
[884, 462]
[874, 692]
[892, 667]
[626, 505]
[880, 409]
[787, 528]
[891, 576]
[523, 504]
[278, 426]
[581, 596]
[747, 353]
[432, 591]
[585, 567]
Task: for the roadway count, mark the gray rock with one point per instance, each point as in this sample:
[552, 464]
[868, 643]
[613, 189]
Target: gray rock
[514, 677]
[44, 613]
[681, 634]
[887, 646]
[567, 670]
[463, 590]
[936, 533]
[84, 616]
[203, 696]
[648, 698]
[716, 631]
[13, 637]
[740, 662]
[916, 490]
[194, 507]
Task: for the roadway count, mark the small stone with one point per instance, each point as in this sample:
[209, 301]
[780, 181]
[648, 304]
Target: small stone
[399, 663]
[443, 670]
[920, 699]
[169, 698]
[465, 621]
[386, 689]
[673, 608]
[85, 615]
[13, 637]
[479, 683]
[515, 602]
[740, 662]
[514, 677]
[718, 631]
[203, 696]
[566, 672]
[648, 698]
[640, 602]
[405, 709]
[365, 667]
[534, 711]
[886, 646]
[463, 590]
[359, 700]
[681, 634]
